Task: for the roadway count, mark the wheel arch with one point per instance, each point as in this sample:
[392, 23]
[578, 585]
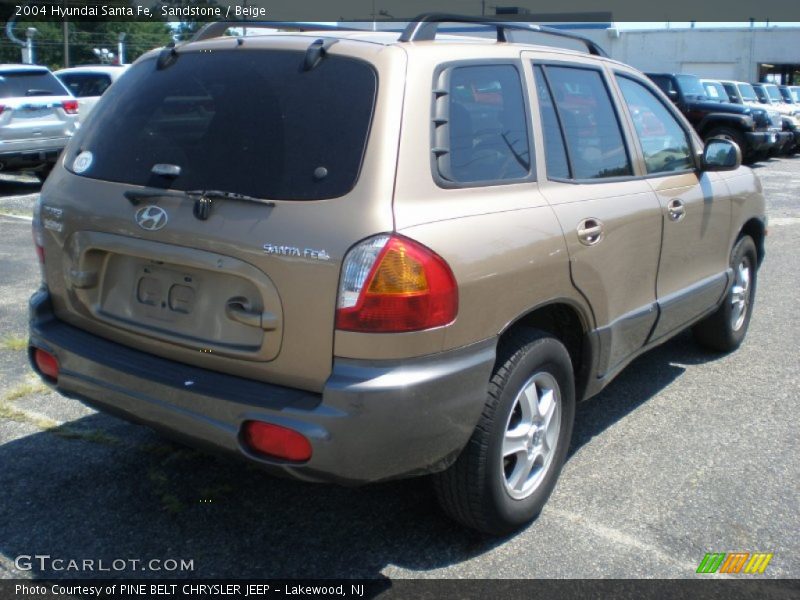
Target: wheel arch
[718, 120]
[756, 229]
[568, 322]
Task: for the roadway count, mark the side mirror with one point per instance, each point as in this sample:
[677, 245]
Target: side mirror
[721, 155]
[673, 95]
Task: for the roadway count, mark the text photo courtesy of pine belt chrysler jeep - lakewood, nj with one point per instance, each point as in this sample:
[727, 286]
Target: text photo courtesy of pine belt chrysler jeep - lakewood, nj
[417, 273]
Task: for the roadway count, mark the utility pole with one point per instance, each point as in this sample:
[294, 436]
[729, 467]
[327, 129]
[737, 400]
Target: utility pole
[29, 55]
[15, 39]
[66, 42]
[121, 48]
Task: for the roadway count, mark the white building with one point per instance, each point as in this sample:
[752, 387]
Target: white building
[744, 54]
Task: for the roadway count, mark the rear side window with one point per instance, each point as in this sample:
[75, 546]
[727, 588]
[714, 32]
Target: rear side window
[252, 122]
[19, 84]
[84, 85]
[715, 91]
[480, 127]
[592, 131]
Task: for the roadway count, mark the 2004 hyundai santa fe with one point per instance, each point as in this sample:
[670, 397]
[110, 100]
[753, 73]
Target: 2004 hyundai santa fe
[353, 256]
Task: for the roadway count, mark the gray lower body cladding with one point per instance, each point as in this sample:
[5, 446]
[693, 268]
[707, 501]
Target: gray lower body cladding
[374, 420]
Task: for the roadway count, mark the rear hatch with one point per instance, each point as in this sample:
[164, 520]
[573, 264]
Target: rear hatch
[243, 281]
[34, 105]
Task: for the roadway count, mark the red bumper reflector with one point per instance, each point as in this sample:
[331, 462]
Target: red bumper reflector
[276, 441]
[46, 362]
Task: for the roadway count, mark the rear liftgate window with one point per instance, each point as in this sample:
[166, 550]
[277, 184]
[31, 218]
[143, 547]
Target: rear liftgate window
[246, 121]
[19, 84]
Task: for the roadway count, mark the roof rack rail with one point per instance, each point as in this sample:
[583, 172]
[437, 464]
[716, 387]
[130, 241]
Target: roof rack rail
[219, 28]
[424, 27]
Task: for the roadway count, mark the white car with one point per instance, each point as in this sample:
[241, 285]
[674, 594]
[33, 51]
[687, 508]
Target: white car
[38, 116]
[88, 82]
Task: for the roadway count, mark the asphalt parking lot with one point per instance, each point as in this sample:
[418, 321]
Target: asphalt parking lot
[685, 453]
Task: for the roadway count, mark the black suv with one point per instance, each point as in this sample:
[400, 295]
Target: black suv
[748, 127]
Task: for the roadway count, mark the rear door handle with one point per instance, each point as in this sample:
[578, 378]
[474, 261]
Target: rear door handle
[590, 231]
[676, 210]
[237, 311]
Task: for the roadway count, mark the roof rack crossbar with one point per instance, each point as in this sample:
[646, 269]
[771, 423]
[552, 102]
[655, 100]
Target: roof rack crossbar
[424, 27]
[218, 28]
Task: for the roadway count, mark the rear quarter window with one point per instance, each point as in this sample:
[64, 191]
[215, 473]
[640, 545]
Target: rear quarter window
[480, 126]
[83, 85]
[246, 121]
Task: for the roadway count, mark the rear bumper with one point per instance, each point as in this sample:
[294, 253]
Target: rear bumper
[20, 154]
[374, 420]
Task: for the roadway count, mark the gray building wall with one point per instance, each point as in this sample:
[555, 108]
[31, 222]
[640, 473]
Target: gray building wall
[725, 53]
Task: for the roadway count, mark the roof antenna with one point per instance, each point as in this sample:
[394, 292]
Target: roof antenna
[167, 56]
[316, 52]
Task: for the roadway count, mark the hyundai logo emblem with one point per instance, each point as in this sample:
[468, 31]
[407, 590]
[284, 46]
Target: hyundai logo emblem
[151, 218]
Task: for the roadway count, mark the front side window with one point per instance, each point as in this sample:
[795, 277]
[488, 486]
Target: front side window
[773, 92]
[733, 92]
[747, 92]
[591, 128]
[664, 142]
[481, 128]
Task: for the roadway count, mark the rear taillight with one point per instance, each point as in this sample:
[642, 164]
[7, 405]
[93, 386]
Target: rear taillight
[70, 107]
[46, 363]
[391, 284]
[37, 243]
[2, 108]
[275, 441]
[37, 230]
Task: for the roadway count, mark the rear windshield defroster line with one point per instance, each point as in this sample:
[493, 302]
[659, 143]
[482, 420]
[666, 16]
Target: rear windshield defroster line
[249, 122]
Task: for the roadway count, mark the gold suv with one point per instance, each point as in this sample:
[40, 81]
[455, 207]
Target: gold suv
[353, 256]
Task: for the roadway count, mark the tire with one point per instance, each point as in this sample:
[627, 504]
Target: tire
[490, 492]
[733, 135]
[724, 330]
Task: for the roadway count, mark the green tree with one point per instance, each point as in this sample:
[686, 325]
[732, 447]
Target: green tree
[84, 37]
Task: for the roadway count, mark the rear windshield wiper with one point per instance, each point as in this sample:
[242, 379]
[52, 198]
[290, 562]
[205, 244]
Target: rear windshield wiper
[203, 199]
[36, 92]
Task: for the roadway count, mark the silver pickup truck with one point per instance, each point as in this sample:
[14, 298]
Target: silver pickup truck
[38, 116]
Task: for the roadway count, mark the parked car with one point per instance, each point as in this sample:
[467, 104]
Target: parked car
[367, 282]
[38, 116]
[88, 82]
[743, 93]
[769, 94]
[746, 126]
